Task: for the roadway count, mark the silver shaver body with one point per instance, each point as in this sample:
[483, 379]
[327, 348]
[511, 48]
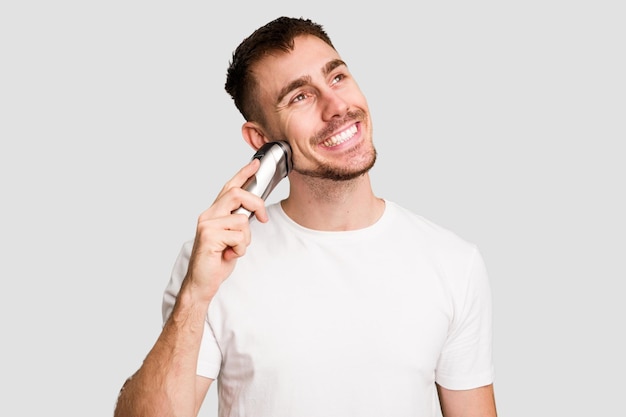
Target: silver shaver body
[276, 164]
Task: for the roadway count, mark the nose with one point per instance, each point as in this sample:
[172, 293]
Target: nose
[333, 105]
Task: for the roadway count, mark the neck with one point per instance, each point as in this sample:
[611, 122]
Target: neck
[322, 204]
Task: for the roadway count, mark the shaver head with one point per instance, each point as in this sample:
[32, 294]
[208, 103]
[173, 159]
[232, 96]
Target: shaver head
[280, 153]
[276, 164]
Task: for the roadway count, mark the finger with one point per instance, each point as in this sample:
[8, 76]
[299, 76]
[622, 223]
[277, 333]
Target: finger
[261, 213]
[215, 234]
[231, 201]
[240, 177]
[232, 196]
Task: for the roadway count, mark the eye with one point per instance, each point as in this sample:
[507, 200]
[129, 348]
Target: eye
[298, 97]
[337, 78]
[301, 97]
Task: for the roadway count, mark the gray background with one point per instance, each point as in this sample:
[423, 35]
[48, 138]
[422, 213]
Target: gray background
[501, 121]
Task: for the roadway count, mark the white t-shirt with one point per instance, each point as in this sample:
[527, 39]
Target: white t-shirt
[357, 323]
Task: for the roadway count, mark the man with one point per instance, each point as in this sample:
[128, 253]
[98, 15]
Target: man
[333, 302]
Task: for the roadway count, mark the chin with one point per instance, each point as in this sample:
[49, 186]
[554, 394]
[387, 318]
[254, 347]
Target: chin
[334, 173]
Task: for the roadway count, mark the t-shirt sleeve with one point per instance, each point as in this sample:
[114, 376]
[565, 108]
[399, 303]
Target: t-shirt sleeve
[210, 356]
[466, 359]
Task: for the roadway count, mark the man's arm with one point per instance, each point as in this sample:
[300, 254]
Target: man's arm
[477, 402]
[166, 384]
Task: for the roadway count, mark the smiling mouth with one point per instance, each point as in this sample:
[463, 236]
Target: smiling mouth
[340, 137]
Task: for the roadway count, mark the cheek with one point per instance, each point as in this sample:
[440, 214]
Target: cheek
[303, 154]
[300, 128]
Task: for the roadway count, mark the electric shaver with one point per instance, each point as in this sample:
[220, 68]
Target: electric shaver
[276, 164]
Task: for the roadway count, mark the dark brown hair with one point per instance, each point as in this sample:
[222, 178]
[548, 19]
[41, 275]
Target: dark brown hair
[277, 35]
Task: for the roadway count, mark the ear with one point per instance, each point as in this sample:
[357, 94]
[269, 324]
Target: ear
[253, 135]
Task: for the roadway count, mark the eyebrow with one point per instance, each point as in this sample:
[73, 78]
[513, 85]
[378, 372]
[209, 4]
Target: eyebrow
[332, 65]
[306, 79]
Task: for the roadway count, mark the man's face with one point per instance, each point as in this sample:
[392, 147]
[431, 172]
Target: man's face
[312, 101]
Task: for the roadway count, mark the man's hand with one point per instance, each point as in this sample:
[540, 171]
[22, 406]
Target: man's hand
[222, 237]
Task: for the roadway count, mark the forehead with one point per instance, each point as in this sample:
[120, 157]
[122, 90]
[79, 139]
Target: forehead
[308, 59]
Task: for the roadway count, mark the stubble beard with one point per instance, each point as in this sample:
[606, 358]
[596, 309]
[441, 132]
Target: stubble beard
[338, 174]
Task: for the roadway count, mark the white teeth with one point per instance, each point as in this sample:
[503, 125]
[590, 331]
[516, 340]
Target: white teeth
[340, 138]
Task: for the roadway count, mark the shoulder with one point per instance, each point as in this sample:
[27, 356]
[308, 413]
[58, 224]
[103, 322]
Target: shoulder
[458, 262]
[427, 233]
